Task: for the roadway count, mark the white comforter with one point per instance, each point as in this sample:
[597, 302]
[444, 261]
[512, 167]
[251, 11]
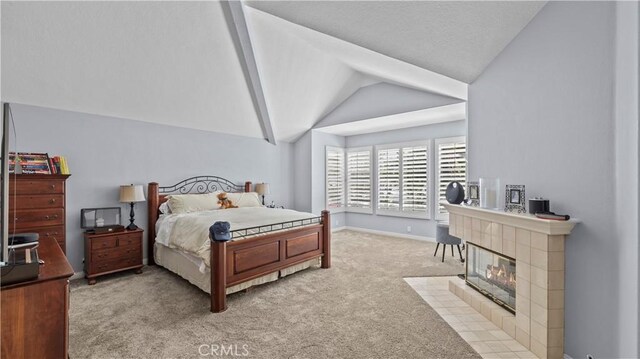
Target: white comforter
[189, 232]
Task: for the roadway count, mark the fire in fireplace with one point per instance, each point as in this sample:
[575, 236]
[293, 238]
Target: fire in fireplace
[492, 274]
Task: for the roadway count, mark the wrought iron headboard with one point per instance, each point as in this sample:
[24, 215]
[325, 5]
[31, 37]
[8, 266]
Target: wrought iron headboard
[202, 184]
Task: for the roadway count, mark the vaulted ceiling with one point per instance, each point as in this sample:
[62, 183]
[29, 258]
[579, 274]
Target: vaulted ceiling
[177, 63]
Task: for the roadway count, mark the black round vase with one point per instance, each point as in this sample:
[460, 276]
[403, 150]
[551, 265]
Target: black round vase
[455, 193]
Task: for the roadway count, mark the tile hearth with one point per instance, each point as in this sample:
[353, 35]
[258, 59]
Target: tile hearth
[482, 335]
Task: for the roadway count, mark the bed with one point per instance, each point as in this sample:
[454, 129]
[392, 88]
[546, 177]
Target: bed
[266, 243]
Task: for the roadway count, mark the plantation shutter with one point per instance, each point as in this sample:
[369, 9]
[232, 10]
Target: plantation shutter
[335, 178]
[359, 179]
[414, 179]
[452, 166]
[389, 179]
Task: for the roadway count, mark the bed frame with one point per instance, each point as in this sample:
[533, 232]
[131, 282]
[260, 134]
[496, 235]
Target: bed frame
[235, 262]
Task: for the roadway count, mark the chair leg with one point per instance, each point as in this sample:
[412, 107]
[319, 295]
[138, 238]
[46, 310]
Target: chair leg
[436, 252]
[460, 253]
[452, 251]
[444, 251]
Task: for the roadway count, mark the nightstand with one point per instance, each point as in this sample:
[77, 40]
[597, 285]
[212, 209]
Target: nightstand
[112, 252]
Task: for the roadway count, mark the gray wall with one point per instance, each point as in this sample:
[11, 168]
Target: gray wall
[104, 153]
[419, 227]
[381, 100]
[626, 162]
[302, 174]
[542, 114]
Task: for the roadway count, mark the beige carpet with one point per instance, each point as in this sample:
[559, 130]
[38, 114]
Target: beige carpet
[360, 308]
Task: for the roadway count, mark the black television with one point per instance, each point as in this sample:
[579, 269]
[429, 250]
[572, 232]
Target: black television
[4, 189]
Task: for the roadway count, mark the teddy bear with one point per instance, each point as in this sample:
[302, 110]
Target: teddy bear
[224, 202]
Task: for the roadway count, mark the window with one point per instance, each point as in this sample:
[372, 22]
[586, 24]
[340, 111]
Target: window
[389, 179]
[403, 179]
[359, 180]
[451, 154]
[335, 179]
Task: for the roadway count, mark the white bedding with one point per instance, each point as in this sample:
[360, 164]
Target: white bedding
[189, 232]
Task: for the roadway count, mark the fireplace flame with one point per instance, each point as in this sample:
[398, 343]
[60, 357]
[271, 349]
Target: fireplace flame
[502, 275]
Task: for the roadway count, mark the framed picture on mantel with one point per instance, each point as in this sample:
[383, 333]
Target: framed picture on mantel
[514, 198]
[474, 194]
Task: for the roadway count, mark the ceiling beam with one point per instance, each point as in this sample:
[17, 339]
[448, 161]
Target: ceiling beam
[237, 24]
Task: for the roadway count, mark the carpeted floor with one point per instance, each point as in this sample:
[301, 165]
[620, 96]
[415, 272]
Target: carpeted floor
[360, 308]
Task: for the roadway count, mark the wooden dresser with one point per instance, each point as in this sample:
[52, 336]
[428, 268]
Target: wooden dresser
[38, 205]
[35, 313]
[112, 252]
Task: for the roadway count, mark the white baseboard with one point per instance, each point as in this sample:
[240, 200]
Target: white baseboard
[338, 229]
[390, 234]
[566, 356]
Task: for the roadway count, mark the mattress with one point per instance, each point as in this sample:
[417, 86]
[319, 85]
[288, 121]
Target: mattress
[192, 269]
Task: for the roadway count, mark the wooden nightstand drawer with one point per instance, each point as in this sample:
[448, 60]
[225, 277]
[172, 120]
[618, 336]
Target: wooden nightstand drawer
[37, 186]
[114, 265]
[37, 218]
[129, 240]
[104, 242]
[116, 253]
[37, 201]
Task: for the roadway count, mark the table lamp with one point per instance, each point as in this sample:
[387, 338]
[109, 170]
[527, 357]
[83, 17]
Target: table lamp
[131, 194]
[262, 189]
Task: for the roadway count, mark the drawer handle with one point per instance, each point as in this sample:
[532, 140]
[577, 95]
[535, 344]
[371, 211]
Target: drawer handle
[52, 186]
[55, 216]
[52, 200]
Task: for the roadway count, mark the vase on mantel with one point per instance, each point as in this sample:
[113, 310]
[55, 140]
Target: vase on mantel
[489, 193]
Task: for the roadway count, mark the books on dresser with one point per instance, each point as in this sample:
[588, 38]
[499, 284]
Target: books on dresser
[38, 163]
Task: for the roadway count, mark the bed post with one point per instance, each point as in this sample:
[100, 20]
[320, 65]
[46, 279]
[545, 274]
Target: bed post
[326, 239]
[152, 217]
[218, 276]
[247, 186]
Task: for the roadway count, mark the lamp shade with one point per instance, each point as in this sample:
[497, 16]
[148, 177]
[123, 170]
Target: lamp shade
[262, 189]
[131, 193]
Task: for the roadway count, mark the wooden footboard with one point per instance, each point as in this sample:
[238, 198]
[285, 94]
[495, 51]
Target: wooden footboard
[236, 262]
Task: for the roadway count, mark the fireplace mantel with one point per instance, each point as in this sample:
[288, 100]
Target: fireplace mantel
[524, 221]
[538, 248]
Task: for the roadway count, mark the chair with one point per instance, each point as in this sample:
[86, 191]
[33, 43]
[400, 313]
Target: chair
[443, 237]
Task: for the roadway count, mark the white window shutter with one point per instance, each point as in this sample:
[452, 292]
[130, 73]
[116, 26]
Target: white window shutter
[335, 178]
[389, 179]
[359, 179]
[452, 166]
[415, 179]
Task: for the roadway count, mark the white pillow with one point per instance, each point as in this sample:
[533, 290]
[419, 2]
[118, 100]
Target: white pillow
[185, 203]
[164, 208]
[245, 199]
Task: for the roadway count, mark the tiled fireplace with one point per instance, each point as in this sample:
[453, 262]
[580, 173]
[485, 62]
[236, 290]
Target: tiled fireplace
[500, 244]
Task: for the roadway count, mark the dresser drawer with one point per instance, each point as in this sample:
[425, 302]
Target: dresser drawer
[36, 218]
[36, 201]
[106, 255]
[114, 264]
[104, 242]
[40, 186]
[56, 232]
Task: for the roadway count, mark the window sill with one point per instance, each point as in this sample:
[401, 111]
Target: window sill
[403, 214]
[359, 210]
